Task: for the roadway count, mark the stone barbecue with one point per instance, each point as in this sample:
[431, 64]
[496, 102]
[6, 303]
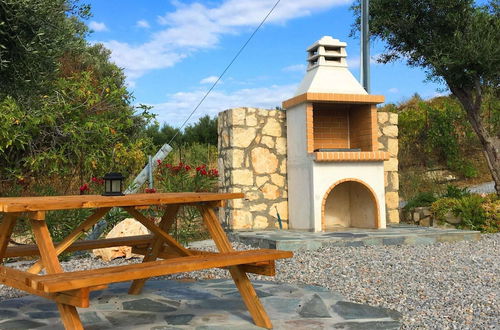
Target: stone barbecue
[335, 170]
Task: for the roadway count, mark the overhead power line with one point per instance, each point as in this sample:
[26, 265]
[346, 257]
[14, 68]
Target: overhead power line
[225, 70]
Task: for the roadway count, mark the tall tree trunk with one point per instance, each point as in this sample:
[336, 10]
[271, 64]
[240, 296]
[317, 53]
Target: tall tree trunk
[491, 144]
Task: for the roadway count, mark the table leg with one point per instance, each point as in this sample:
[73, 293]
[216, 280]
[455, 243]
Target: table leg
[154, 249]
[8, 223]
[69, 314]
[240, 278]
[74, 236]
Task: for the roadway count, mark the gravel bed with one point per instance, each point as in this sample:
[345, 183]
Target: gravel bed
[442, 286]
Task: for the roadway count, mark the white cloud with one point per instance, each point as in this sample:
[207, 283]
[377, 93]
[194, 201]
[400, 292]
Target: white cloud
[137, 60]
[295, 68]
[179, 105]
[143, 24]
[98, 26]
[440, 93]
[393, 90]
[195, 26]
[209, 80]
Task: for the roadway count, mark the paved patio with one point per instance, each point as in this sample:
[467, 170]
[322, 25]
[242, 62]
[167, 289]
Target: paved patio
[211, 304]
[400, 234]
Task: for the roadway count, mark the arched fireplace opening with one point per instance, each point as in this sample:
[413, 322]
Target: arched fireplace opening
[350, 203]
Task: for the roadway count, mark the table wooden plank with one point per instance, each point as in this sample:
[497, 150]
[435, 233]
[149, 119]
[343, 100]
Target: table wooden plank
[157, 231]
[17, 279]
[266, 268]
[69, 315]
[72, 237]
[81, 279]
[32, 250]
[6, 228]
[47, 203]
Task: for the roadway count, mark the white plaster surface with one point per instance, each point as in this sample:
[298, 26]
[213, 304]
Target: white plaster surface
[329, 79]
[308, 181]
[326, 174]
[327, 70]
[299, 171]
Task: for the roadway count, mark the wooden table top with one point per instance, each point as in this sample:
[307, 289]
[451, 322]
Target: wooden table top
[47, 203]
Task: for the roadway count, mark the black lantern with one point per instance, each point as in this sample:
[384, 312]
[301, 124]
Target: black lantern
[113, 184]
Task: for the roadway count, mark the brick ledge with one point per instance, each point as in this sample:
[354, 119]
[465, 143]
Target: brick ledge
[342, 156]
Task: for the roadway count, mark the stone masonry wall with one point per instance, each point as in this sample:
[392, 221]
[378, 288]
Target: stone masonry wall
[388, 141]
[252, 160]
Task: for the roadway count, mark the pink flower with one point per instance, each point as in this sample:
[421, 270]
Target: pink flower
[150, 190]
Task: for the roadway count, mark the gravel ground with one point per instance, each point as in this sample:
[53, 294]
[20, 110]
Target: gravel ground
[443, 286]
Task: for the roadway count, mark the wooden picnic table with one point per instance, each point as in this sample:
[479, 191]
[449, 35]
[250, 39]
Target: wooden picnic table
[71, 289]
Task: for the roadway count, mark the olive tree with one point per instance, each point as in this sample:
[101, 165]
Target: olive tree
[456, 42]
[34, 34]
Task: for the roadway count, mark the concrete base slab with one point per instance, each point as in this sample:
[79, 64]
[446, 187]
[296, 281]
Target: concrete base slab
[211, 304]
[400, 234]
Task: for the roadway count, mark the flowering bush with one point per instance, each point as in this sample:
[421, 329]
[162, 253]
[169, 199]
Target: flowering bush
[95, 186]
[183, 177]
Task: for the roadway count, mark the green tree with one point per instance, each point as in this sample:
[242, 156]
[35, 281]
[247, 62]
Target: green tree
[164, 134]
[456, 42]
[204, 131]
[85, 126]
[65, 113]
[34, 35]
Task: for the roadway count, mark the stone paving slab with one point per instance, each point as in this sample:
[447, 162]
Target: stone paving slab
[202, 305]
[400, 234]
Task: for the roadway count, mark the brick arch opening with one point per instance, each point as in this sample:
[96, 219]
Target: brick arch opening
[350, 203]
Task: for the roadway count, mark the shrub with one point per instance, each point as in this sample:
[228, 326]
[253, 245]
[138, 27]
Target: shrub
[455, 192]
[436, 133]
[185, 177]
[491, 206]
[421, 199]
[476, 212]
[470, 210]
[443, 206]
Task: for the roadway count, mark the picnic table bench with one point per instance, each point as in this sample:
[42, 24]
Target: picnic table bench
[162, 253]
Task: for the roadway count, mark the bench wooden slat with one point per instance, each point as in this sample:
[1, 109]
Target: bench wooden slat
[266, 268]
[81, 279]
[18, 279]
[31, 250]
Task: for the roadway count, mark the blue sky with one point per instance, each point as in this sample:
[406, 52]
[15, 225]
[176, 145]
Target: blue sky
[172, 51]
